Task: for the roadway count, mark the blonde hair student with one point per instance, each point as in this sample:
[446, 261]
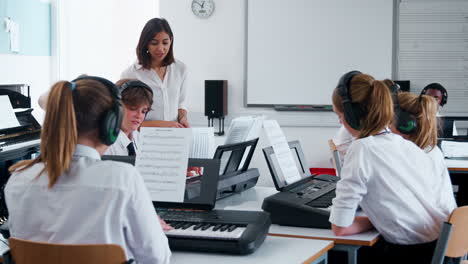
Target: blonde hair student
[389, 178]
[68, 194]
[420, 114]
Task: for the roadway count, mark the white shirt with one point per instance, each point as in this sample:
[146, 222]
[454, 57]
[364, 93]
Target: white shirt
[169, 94]
[342, 140]
[396, 185]
[94, 202]
[120, 145]
[445, 185]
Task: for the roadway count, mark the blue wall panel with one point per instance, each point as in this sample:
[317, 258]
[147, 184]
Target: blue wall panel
[33, 17]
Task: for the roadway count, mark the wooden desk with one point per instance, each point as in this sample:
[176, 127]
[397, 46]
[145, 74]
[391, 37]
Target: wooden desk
[458, 170]
[252, 199]
[273, 250]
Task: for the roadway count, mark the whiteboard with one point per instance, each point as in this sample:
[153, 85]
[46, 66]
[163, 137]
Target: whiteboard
[298, 49]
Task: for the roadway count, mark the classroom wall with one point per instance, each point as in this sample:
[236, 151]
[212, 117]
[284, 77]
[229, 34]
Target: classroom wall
[214, 48]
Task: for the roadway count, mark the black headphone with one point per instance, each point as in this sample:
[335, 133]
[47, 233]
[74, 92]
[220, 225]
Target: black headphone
[353, 112]
[436, 86]
[111, 120]
[134, 83]
[405, 122]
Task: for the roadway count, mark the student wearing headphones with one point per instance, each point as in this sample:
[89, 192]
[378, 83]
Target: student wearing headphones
[415, 120]
[440, 94]
[390, 178]
[437, 91]
[68, 195]
[137, 99]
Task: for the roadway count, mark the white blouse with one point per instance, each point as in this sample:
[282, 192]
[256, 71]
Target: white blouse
[93, 202]
[169, 94]
[397, 186]
[120, 146]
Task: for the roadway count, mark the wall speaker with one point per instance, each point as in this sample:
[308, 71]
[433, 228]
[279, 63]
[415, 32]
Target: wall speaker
[216, 98]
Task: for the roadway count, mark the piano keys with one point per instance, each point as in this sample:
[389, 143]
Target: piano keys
[20, 141]
[235, 232]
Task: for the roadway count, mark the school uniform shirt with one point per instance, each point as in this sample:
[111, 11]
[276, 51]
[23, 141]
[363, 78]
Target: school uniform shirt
[445, 183]
[394, 183]
[342, 140]
[120, 145]
[93, 202]
[168, 95]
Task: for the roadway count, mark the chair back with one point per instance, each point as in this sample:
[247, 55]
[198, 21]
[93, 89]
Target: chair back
[29, 252]
[458, 241]
[335, 157]
[453, 238]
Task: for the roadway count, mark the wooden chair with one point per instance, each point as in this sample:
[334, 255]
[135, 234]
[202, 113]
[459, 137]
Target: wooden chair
[335, 157]
[29, 252]
[453, 239]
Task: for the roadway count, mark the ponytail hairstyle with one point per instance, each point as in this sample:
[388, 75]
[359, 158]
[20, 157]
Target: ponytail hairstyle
[74, 109]
[424, 109]
[374, 100]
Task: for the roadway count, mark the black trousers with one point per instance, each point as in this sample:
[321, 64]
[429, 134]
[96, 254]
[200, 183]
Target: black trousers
[385, 252]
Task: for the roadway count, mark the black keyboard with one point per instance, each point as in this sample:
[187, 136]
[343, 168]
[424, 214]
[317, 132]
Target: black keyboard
[305, 205]
[237, 232]
[323, 201]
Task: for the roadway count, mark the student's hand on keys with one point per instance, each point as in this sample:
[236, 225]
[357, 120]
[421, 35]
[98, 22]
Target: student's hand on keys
[164, 225]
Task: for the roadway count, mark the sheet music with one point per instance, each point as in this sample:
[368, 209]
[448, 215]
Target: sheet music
[282, 152]
[203, 145]
[239, 129]
[452, 149]
[7, 118]
[242, 129]
[163, 161]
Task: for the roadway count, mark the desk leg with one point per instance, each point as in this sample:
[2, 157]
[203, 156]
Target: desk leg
[350, 249]
[323, 259]
[461, 180]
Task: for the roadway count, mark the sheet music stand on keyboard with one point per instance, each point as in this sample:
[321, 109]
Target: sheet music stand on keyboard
[235, 175]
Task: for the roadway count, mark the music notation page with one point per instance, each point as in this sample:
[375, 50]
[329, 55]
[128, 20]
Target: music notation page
[163, 162]
[282, 151]
[7, 118]
[452, 149]
[203, 145]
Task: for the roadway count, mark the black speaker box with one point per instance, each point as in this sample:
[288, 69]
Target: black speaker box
[216, 98]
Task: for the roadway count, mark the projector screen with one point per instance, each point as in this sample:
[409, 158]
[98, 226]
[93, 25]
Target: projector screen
[298, 49]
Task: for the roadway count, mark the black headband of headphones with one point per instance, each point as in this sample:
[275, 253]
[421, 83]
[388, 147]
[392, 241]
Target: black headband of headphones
[353, 112]
[111, 120]
[405, 122]
[135, 83]
[110, 85]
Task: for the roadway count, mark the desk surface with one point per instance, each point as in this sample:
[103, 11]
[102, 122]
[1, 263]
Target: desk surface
[273, 250]
[252, 199]
[457, 165]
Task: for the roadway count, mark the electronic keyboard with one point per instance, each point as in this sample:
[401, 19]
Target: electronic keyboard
[227, 231]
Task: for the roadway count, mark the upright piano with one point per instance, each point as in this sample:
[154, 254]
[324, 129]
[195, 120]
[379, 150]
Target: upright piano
[18, 142]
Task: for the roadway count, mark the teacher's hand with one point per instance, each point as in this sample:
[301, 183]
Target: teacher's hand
[184, 122]
[161, 123]
[173, 124]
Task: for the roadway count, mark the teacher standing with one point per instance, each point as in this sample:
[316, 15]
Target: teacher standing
[157, 67]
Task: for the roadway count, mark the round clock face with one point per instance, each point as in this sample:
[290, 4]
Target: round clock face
[203, 8]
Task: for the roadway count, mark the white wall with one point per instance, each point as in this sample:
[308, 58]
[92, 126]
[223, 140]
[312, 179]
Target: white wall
[99, 37]
[214, 48]
[31, 70]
